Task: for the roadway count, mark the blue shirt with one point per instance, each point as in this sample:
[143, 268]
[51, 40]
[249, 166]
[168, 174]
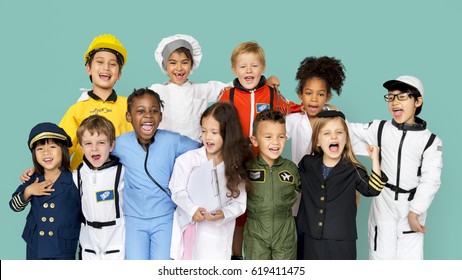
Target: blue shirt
[142, 197]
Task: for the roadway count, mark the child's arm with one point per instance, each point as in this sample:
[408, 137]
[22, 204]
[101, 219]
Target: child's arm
[24, 193]
[429, 184]
[372, 185]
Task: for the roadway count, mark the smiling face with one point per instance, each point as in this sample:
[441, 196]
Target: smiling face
[248, 68]
[211, 138]
[270, 138]
[404, 111]
[314, 96]
[332, 140]
[49, 155]
[104, 71]
[178, 68]
[145, 116]
[96, 148]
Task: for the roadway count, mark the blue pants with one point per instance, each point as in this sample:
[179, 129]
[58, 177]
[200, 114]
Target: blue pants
[148, 239]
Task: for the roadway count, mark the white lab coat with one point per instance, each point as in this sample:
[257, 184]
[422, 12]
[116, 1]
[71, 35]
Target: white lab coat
[213, 239]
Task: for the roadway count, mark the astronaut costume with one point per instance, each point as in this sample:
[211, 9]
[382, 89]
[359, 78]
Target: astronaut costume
[412, 159]
[102, 236]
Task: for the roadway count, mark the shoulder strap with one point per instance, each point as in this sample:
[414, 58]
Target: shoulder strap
[231, 95]
[271, 97]
[379, 138]
[429, 143]
[79, 180]
[116, 189]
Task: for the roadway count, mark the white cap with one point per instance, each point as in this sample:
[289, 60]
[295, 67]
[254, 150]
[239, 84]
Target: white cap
[170, 44]
[408, 80]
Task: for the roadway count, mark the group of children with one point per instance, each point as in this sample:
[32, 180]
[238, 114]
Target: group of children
[161, 174]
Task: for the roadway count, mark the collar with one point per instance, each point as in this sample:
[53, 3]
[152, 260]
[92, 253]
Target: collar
[112, 97]
[417, 126]
[260, 84]
[260, 161]
[113, 161]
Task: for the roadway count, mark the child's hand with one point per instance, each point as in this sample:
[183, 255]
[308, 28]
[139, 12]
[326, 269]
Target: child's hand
[39, 188]
[273, 81]
[26, 175]
[218, 215]
[199, 215]
[373, 151]
[414, 223]
[331, 107]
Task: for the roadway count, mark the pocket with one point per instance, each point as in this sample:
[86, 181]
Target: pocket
[68, 239]
[375, 238]
[29, 230]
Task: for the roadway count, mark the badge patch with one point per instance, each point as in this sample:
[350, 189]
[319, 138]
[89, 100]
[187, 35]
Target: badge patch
[105, 195]
[256, 175]
[286, 177]
[261, 107]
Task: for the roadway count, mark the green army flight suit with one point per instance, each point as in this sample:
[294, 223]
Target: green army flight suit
[270, 232]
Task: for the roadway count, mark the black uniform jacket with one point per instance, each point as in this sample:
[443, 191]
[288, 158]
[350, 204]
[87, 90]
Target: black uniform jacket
[328, 207]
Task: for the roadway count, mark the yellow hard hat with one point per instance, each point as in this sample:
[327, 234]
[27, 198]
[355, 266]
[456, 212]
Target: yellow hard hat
[106, 42]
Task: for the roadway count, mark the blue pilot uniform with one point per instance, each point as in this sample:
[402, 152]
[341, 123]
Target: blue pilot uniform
[53, 223]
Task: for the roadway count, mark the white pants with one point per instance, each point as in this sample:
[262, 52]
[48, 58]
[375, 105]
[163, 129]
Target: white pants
[106, 243]
[390, 236]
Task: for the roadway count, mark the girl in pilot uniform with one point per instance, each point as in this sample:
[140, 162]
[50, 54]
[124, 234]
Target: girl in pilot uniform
[330, 176]
[53, 223]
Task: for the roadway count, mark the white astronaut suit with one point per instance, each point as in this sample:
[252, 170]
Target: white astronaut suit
[413, 179]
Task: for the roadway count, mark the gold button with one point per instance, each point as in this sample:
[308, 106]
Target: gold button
[322, 186]
[321, 211]
[52, 205]
[44, 219]
[52, 219]
[322, 198]
[42, 233]
[320, 224]
[45, 205]
[50, 233]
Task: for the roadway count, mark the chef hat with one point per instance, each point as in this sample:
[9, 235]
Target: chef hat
[170, 44]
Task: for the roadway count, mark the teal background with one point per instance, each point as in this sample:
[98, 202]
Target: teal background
[42, 45]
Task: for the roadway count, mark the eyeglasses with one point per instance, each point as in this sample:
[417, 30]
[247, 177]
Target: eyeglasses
[401, 96]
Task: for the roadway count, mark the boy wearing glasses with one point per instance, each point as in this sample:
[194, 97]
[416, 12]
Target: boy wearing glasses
[411, 156]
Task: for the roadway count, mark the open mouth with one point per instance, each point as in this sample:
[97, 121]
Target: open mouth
[147, 127]
[105, 77]
[334, 147]
[96, 157]
[274, 150]
[397, 113]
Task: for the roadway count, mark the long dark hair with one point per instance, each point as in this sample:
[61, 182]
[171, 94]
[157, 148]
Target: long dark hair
[236, 150]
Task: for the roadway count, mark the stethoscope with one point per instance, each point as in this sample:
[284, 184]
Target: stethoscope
[146, 146]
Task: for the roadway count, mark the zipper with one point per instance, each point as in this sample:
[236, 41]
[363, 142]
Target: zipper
[252, 111]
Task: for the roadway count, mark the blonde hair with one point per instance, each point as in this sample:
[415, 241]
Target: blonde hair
[248, 47]
[347, 152]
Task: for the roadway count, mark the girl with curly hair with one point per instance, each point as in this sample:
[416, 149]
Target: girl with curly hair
[209, 186]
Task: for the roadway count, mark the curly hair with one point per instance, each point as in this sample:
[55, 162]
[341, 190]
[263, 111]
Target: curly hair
[328, 69]
[236, 151]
